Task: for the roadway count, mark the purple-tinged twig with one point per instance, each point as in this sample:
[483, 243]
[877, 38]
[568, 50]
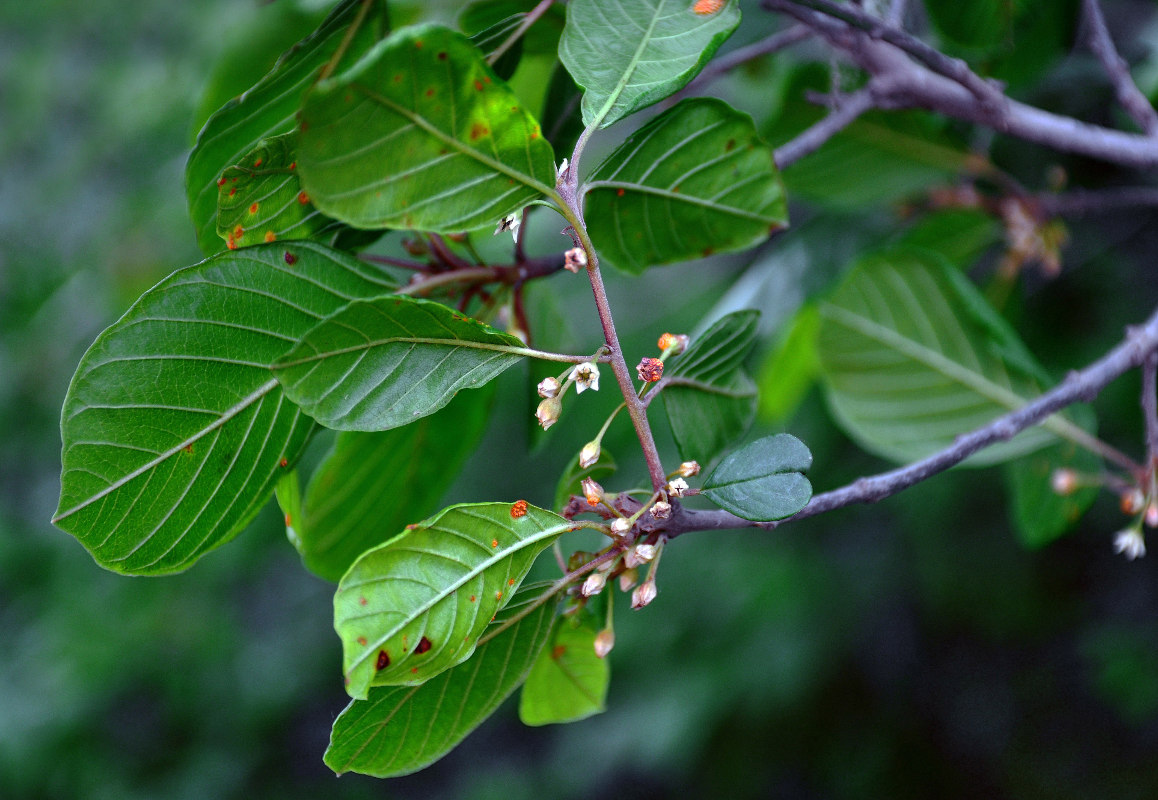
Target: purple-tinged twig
[811, 139]
[1150, 410]
[1102, 46]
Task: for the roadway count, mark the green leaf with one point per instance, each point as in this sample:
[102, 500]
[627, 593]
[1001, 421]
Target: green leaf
[632, 53]
[260, 199]
[268, 109]
[416, 606]
[382, 363]
[421, 134]
[372, 484]
[490, 38]
[562, 120]
[568, 681]
[174, 429]
[573, 475]
[1040, 514]
[397, 730]
[542, 38]
[913, 356]
[981, 24]
[709, 399]
[761, 481]
[792, 368]
[694, 181]
[961, 235]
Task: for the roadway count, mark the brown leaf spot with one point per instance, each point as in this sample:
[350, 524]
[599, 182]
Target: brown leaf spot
[478, 86]
[293, 165]
[362, 601]
[494, 542]
[557, 651]
[731, 143]
[442, 55]
[423, 646]
[511, 582]
[189, 448]
[619, 193]
[257, 163]
[498, 595]
[303, 198]
[362, 640]
[430, 92]
[473, 598]
[383, 660]
[233, 191]
[708, 251]
[478, 130]
[221, 181]
[414, 670]
[290, 258]
[418, 44]
[288, 521]
[398, 78]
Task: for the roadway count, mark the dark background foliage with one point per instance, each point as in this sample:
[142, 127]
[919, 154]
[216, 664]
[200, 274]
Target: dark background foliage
[910, 649]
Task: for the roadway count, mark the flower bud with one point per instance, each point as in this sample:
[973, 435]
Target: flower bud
[675, 342]
[640, 554]
[661, 510]
[1130, 543]
[1152, 514]
[689, 469]
[1132, 501]
[627, 579]
[649, 370]
[586, 377]
[589, 454]
[548, 412]
[677, 487]
[575, 259]
[604, 641]
[549, 387]
[592, 491]
[594, 584]
[643, 594]
[620, 526]
[1063, 481]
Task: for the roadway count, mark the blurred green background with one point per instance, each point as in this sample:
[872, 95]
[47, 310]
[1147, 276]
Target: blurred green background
[911, 649]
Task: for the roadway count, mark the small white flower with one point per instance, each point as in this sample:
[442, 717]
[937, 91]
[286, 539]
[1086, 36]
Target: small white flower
[548, 387]
[1063, 481]
[511, 223]
[620, 526]
[1130, 543]
[586, 377]
[676, 487]
[575, 259]
[589, 454]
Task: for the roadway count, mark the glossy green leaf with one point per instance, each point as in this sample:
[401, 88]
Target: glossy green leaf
[397, 730]
[629, 54]
[913, 356]
[260, 199]
[270, 108]
[174, 429]
[571, 479]
[385, 362]
[568, 681]
[761, 481]
[696, 180]
[792, 368]
[710, 400]
[1040, 514]
[416, 606]
[421, 134]
[372, 484]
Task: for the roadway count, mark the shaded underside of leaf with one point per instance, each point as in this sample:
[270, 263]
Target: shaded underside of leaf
[628, 54]
[383, 363]
[692, 182]
[421, 134]
[416, 606]
[268, 109]
[372, 484]
[712, 401]
[912, 356]
[174, 428]
[762, 481]
[397, 730]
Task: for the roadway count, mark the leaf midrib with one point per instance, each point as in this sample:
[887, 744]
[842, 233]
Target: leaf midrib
[453, 343]
[680, 197]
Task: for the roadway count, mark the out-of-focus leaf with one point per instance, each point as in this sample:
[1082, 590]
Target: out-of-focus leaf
[372, 484]
[386, 362]
[762, 481]
[542, 38]
[416, 605]
[490, 38]
[632, 53]
[710, 400]
[174, 429]
[694, 181]
[561, 118]
[421, 134]
[573, 475]
[913, 356]
[269, 108]
[568, 681]
[792, 368]
[397, 730]
[961, 235]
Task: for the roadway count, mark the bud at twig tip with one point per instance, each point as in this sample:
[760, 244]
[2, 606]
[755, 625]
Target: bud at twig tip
[589, 454]
[548, 412]
[643, 594]
[604, 641]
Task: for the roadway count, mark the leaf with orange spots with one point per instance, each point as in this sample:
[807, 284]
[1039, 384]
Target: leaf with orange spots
[568, 681]
[269, 108]
[420, 583]
[421, 134]
[629, 54]
[260, 198]
[696, 180]
[397, 730]
[174, 429]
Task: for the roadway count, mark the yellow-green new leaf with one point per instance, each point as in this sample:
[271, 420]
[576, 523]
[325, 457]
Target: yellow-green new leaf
[417, 605]
[568, 681]
[421, 134]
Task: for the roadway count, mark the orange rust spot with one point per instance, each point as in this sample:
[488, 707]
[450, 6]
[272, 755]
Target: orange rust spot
[362, 601]
[498, 595]
[414, 670]
[293, 165]
[418, 44]
[283, 463]
[303, 198]
[238, 231]
[221, 181]
[478, 130]
[230, 243]
[430, 92]
[362, 640]
[472, 598]
[519, 509]
[511, 582]
[257, 163]
[707, 7]
[494, 542]
[189, 448]
[412, 526]
[234, 179]
[557, 651]
[270, 236]
[478, 87]
[383, 660]
[233, 191]
[423, 646]
[253, 209]
[288, 521]
[619, 193]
